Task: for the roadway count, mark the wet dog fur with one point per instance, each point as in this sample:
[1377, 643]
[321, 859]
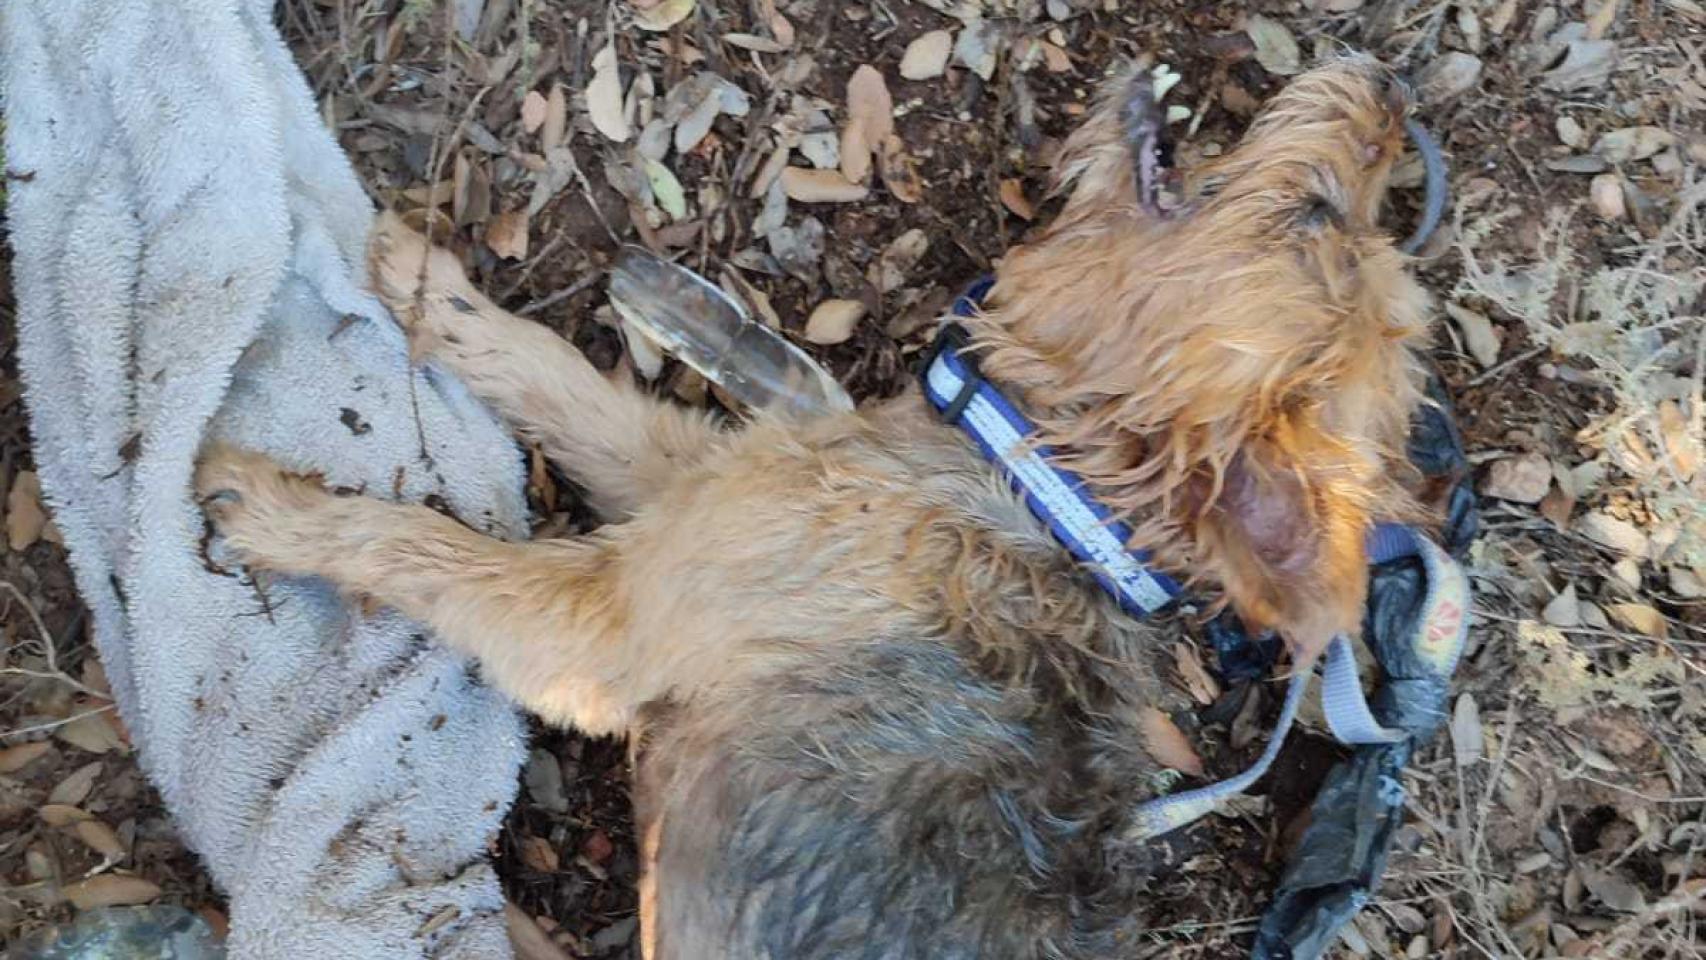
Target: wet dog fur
[878, 711]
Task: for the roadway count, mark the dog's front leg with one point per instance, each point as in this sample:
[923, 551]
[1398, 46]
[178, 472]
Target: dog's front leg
[621, 445]
[546, 619]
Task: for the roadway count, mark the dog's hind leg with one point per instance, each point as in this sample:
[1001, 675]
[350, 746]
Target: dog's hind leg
[621, 445]
[547, 619]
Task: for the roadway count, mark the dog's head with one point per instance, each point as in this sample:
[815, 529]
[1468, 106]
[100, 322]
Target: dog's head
[1236, 376]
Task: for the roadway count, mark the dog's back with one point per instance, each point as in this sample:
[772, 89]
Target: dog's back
[960, 794]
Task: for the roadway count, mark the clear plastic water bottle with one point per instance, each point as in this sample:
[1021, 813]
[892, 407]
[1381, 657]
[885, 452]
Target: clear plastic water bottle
[693, 320]
[160, 932]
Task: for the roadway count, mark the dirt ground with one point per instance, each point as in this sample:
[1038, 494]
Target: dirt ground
[1562, 814]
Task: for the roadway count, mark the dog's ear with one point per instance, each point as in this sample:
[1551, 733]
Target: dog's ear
[1284, 534]
[1102, 161]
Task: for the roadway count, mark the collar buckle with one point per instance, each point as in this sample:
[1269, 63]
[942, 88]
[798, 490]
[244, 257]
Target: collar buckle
[953, 340]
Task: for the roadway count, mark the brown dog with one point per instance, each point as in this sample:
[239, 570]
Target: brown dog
[882, 712]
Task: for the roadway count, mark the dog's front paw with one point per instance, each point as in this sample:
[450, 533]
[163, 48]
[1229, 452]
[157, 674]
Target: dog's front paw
[259, 508]
[423, 286]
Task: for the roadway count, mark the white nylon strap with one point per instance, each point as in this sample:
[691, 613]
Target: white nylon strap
[1343, 702]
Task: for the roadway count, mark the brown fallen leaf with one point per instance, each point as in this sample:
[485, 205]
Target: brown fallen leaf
[604, 104]
[25, 517]
[1055, 59]
[555, 129]
[899, 171]
[538, 854]
[832, 321]
[1195, 678]
[896, 261]
[91, 733]
[527, 939]
[111, 890]
[1682, 449]
[597, 847]
[506, 235]
[100, 838]
[533, 109]
[1012, 192]
[1168, 744]
[1641, 617]
[660, 15]
[13, 759]
[74, 789]
[60, 815]
[821, 186]
[870, 121]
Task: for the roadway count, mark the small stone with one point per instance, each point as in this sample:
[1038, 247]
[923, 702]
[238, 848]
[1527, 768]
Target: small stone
[1606, 192]
[1521, 479]
[927, 56]
[1452, 74]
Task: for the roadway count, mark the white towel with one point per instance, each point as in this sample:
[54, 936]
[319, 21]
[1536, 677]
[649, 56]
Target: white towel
[188, 260]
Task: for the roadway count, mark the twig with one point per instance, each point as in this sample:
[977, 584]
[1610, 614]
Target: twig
[54, 724]
[48, 648]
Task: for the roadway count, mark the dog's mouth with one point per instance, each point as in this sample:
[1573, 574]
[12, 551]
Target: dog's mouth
[1152, 153]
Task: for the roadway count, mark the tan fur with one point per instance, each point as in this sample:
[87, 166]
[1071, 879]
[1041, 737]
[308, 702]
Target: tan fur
[1236, 380]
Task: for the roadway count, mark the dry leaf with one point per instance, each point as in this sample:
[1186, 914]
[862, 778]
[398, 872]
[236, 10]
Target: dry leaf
[13, 759]
[822, 186]
[767, 174]
[25, 517]
[1012, 192]
[1614, 891]
[926, 57]
[1633, 143]
[666, 189]
[1055, 59]
[1613, 534]
[1479, 336]
[832, 321]
[597, 847]
[978, 47]
[1680, 446]
[1193, 675]
[555, 129]
[527, 939]
[538, 854]
[889, 273]
[870, 121]
[506, 235]
[1168, 744]
[1450, 75]
[1641, 617]
[1468, 740]
[74, 789]
[92, 733]
[61, 815]
[1564, 610]
[604, 96]
[899, 171]
[1600, 23]
[1276, 48]
[1606, 193]
[755, 43]
[1519, 479]
[664, 15]
[755, 299]
[111, 890]
[100, 838]
[533, 110]
[647, 357]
